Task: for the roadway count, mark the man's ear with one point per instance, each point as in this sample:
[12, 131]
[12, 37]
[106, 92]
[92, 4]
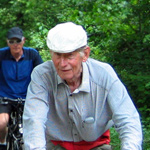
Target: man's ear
[86, 53]
[24, 39]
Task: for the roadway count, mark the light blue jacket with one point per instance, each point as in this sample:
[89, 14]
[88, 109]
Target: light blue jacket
[53, 113]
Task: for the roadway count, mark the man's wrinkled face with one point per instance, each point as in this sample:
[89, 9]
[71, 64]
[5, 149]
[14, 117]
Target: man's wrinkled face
[68, 65]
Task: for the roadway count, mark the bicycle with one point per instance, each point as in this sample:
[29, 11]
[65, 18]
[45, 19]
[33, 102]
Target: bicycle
[15, 131]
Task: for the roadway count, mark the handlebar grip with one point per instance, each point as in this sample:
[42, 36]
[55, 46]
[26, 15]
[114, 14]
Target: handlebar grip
[6, 100]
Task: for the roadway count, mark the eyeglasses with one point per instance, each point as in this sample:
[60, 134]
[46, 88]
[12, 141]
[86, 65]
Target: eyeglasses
[17, 41]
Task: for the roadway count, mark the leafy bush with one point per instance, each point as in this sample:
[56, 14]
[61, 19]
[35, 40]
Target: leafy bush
[115, 141]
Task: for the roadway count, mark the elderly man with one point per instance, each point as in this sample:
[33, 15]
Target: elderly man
[73, 100]
[16, 65]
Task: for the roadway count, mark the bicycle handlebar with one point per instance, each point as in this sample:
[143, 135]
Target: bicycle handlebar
[6, 100]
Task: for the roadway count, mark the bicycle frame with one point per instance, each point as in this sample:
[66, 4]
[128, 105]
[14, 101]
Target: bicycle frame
[14, 137]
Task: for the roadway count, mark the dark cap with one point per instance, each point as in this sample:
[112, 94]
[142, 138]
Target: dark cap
[15, 32]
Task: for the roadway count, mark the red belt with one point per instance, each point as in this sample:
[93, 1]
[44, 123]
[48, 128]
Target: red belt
[83, 145]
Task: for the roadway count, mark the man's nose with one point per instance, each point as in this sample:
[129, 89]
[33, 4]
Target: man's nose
[15, 44]
[63, 62]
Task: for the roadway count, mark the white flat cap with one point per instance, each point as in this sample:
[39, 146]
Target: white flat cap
[66, 37]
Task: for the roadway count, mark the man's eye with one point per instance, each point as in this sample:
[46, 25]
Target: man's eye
[71, 55]
[11, 42]
[58, 54]
[18, 41]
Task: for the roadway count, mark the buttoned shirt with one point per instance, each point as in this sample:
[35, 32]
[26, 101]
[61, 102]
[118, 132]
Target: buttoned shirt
[52, 112]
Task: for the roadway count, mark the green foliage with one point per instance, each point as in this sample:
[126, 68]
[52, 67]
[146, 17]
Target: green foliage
[146, 133]
[116, 143]
[45, 55]
[114, 137]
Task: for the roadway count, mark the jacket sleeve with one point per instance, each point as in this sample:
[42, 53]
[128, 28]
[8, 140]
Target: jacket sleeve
[35, 114]
[37, 59]
[125, 117]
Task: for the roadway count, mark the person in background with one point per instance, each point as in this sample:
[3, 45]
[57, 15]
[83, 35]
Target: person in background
[73, 100]
[16, 65]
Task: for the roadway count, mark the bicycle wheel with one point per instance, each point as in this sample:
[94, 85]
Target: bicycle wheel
[14, 144]
[9, 142]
